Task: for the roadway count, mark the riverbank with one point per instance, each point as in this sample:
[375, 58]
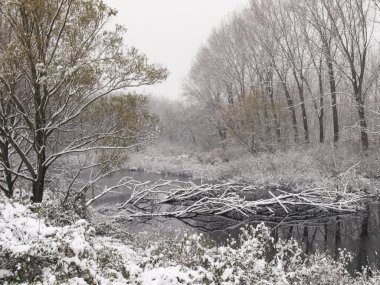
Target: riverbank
[36, 250]
[314, 165]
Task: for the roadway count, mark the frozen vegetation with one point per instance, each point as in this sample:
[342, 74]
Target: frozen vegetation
[299, 166]
[37, 250]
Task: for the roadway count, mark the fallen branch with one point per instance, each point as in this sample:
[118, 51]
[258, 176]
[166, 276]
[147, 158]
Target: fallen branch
[167, 198]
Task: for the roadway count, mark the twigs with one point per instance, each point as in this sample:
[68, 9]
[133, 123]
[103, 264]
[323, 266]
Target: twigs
[166, 198]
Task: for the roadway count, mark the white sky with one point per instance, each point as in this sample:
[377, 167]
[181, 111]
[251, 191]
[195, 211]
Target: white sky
[170, 32]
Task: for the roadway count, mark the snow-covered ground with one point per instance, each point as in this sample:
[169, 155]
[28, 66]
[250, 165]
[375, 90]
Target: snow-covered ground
[318, 164]
[34, 251]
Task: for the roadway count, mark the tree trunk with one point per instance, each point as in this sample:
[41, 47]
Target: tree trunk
[269, 88]
[303, 108]
[333, 99]
[290, 103]
[223, 134]
[304, 117]
[266, 119]
[362, 123]
[38, 186]
[230, 96]
[321, 112]
[8, 175]
[321, 129]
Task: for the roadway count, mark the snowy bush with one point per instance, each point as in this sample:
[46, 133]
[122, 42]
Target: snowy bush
[64, 210]
[31, 252]
[254, 259]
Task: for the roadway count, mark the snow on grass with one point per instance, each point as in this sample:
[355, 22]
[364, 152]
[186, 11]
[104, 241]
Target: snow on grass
[265, 168]
[171, 275]
[299, 166]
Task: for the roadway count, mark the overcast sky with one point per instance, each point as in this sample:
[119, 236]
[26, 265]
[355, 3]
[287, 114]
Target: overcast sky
[170, 32]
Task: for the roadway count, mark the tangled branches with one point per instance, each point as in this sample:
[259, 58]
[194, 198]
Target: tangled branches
[187, 200]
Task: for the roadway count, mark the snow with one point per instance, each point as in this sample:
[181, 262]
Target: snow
[227, 274]
[5, 273]
[77, 281]
[78, 245]
[165, 276]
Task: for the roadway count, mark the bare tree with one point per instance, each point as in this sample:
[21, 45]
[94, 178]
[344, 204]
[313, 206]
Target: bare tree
[310, 49]
[268, 44]
[9, 118]
[318, 19]
[352, 31]
[289, 36]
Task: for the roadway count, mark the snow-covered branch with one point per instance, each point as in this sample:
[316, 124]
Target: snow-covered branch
[181, 200]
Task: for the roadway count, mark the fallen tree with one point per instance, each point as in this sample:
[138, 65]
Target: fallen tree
[231, 201]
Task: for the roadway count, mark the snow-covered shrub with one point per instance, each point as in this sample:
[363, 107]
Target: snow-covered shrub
[30, 248]
[253, 259]
[64, 203]
[61, 211]
[31, 251]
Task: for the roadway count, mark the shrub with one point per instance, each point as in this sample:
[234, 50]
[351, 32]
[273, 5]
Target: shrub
[255, 258]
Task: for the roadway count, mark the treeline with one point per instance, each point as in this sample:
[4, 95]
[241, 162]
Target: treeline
[285, 72]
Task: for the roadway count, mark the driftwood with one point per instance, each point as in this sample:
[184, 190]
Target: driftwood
[187, 200]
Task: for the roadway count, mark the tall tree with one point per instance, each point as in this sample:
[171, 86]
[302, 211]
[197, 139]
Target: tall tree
[262, 17]
[352, 32]
[289, 36]
[67, 59]
[318, 18]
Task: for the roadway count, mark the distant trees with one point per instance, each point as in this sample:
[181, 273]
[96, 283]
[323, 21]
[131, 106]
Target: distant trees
[298, 58]
[57, 59]
[185, 125]
[127, 118]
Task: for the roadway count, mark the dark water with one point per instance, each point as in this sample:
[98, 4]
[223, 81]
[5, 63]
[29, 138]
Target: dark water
[357, 233]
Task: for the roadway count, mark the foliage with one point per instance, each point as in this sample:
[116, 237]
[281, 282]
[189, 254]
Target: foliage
[128, 115]
[59, 57]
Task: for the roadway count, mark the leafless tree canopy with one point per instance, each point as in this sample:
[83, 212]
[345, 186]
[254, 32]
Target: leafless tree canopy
[285, 71]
